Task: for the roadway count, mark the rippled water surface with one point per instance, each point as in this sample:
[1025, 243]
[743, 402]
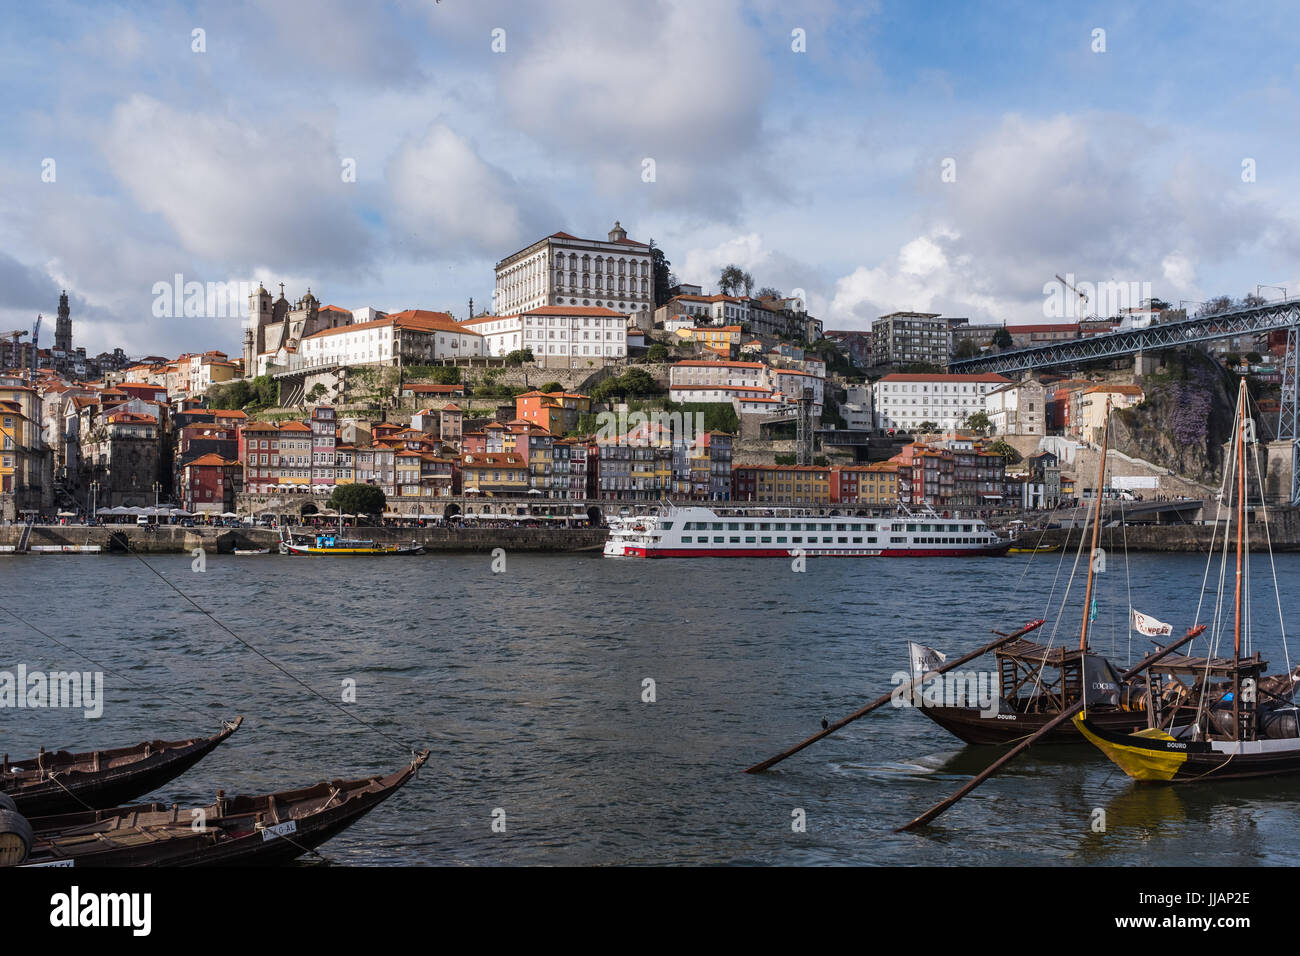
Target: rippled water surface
[527, 688]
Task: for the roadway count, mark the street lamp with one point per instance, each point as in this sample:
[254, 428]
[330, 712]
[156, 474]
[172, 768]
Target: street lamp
[157, 487]
[94, 497]
[1281, 289]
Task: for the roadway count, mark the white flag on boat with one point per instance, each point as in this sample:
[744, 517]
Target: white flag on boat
[1148, 625]
[924, 659]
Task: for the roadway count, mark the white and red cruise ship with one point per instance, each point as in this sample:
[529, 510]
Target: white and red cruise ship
[698, 532]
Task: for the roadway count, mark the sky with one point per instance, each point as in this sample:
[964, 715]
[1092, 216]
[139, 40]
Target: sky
[876, 157]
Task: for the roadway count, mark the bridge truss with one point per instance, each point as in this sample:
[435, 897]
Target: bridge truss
[1247, 320]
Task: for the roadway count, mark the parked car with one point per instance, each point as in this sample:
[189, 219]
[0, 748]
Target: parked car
[141, 520]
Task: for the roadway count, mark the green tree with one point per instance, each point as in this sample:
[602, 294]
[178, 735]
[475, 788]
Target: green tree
[265, 391]
[928, 428]
[519, 357]
[1002, 338]
[550, 387]
[1232, 359]
[731, 279]
[718, 416]
[445, 374]
[234, 394]
[358, 499]
[1009, 454]
[657, 353]
[1220, 303]
[1254, 358]
[316, 393]
[785, 459]
[966, 348]
[767, 292]
[979, 422]
[663, 277]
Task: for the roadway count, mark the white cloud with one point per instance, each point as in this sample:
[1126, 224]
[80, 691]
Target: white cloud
[676, 81]
[237, 191]
[445, 198]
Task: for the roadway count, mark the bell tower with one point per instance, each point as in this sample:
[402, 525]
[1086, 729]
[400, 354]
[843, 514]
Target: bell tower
[259, 313]
[63, 325]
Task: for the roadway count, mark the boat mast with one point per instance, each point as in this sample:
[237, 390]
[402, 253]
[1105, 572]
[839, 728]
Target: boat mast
[1096, 529]
[1241, 531]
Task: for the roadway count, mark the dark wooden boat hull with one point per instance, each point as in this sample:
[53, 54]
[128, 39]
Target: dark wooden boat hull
[967, 724]
[1156, 760]
[158, 835]
[76, 785]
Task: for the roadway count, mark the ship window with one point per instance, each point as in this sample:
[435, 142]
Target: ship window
[717, 526]
[733, 525]
[668, 526]
[897, 540]
[767, 539]
[780, 539]
[686, 539]
[843, 540]
[871, 540]
[717, 539]
[749, 526]
[764, 526]
[778, 526]
[797, 540]
[857, 540]
[735, 539]
[749, 539]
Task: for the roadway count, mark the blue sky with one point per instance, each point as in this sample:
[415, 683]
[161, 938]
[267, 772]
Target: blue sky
[818, 170]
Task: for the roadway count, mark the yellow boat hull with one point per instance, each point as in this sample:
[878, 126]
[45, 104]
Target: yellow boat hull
[1140, 763]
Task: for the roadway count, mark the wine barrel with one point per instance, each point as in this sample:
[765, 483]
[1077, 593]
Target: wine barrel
[15, 838]
[7, 803]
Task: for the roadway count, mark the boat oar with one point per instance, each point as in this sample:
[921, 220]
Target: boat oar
[1047, 728]
[881, 701]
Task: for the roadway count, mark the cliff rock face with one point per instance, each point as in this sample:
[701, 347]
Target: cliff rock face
[1184, 420]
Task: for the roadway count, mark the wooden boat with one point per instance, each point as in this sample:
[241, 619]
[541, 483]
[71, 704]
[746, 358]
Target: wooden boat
[64, 782]
[1244, 724]
[252, 551]
[242, 830]
[1038, 682]
[1035, 549]
[336, 545]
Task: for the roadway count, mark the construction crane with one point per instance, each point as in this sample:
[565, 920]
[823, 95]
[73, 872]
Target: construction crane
[15, 354]
[1083, 296]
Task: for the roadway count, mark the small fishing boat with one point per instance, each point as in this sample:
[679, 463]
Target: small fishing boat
[252, 551]
[1034, 549]
[241, 830]
[1243, 725]
[64, 782]
[335, 544]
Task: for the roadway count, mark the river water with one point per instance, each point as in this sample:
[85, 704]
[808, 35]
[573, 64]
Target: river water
[527, 686]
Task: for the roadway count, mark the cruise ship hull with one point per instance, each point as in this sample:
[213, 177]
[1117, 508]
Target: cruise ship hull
[633, 551]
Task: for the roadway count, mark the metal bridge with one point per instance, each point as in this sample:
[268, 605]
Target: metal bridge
[1246, 320]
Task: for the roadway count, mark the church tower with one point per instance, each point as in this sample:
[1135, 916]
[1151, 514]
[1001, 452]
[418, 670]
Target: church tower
[617, 233]
[63, 326]
[259, 313]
